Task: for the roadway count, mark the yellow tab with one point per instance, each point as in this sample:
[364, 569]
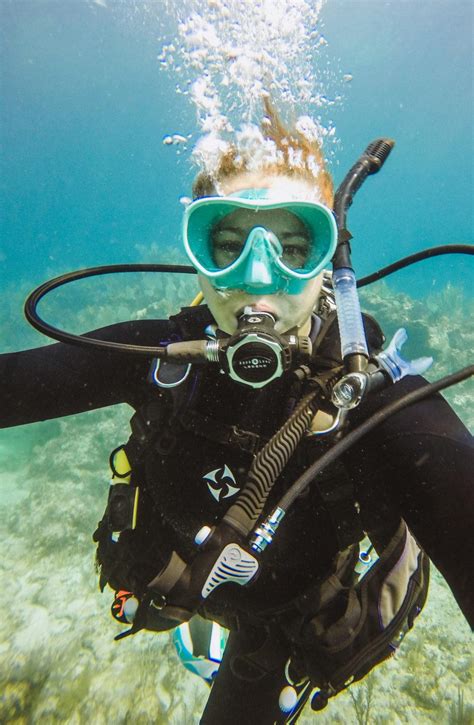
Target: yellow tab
[135, 509]
[197, 300]
[122, 466]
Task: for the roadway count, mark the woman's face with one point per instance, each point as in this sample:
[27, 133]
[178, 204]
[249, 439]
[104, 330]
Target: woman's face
[227, 305]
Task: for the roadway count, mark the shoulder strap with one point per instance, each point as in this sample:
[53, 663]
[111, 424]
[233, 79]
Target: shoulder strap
[192, 321]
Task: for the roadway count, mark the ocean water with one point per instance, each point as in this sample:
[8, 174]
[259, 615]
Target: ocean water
[101, 112]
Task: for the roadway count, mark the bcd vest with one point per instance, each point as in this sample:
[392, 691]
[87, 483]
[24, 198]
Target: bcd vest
[341, 626]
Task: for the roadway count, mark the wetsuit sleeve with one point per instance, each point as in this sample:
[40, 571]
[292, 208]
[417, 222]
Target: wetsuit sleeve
[61, 379]
[423, 459]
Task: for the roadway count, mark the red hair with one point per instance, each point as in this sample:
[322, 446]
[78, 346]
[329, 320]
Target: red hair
[289, 144]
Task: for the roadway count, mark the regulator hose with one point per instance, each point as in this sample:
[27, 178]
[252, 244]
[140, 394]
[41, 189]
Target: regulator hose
[379, 417]
[268, 465]
[39, 324]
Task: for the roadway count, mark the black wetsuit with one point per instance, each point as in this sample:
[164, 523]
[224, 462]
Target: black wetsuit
[417, 465]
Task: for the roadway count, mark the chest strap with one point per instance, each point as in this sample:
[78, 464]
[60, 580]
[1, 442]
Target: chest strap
[218, 432]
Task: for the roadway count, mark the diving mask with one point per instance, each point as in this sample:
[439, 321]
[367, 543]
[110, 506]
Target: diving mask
[252, 242]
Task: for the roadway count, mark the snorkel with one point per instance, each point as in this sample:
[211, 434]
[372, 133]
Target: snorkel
[351, 329]
[361, 376]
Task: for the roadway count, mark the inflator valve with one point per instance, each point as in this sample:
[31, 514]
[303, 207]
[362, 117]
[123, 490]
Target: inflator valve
[393, 363]
[349, 391]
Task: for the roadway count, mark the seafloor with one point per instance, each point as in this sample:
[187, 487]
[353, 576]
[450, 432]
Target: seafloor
[58, 660]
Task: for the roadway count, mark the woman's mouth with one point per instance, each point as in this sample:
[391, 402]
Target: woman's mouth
[262, 307]
[257, 307]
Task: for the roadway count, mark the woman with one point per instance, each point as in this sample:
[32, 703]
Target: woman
[260, 233]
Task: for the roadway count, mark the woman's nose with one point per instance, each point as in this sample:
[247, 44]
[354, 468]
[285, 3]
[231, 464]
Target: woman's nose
[259, 263]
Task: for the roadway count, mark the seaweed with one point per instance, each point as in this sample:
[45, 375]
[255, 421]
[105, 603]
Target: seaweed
[459, 712]
[362, 697]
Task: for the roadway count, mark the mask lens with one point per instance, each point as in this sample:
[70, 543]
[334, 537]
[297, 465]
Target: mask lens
[296, 250]
[228, 238]
[227, 243]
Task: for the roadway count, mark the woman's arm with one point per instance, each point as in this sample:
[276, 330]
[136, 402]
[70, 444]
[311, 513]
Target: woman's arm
[61, 379]
[422, 462]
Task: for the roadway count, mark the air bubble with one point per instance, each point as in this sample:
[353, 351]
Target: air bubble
[175, 139]
[233, 53]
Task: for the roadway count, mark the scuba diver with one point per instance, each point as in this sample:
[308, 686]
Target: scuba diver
[287, 477]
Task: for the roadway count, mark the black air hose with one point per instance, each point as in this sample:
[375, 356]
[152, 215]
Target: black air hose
[268, 465]
[416, 257]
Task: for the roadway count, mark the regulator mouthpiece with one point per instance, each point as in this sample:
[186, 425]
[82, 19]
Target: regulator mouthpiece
[256, 354]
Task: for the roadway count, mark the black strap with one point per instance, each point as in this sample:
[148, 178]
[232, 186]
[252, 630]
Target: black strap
[219, 432]
[191, 321]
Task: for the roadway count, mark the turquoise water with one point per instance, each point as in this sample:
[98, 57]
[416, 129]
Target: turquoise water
[86, 180]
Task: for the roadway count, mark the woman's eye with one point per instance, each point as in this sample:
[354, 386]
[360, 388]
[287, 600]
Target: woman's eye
[229, 247]
[296, 254]
[225, 251]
